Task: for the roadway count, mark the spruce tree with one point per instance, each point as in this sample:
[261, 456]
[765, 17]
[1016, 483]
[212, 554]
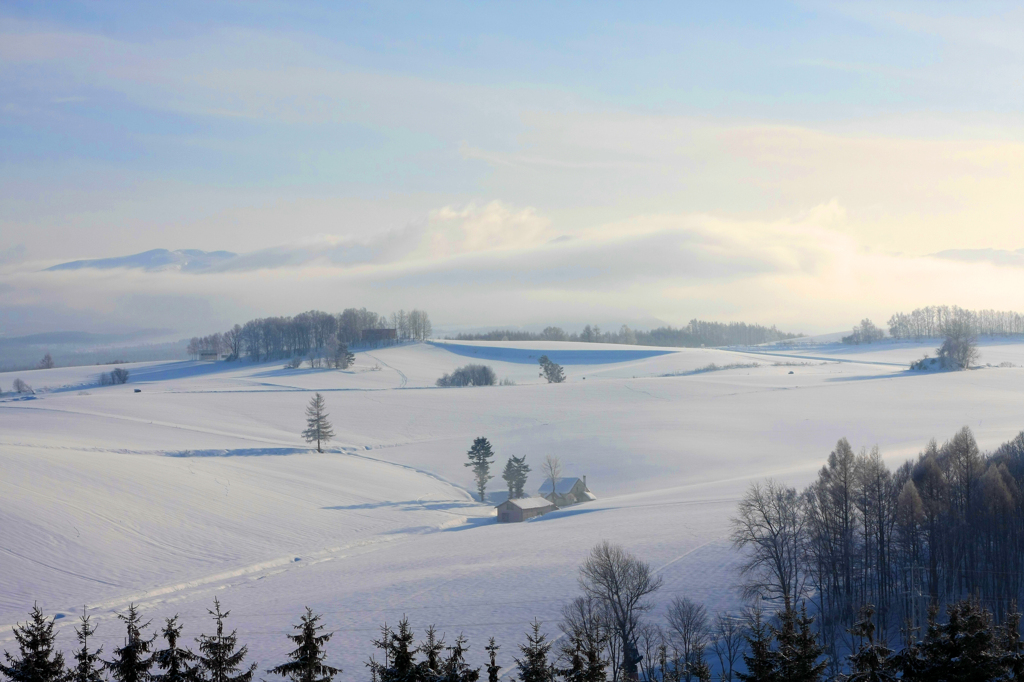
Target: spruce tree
[133, 661]
[88, 665]
[761, 660]
[799, 653]
[480, 461]
[37, 660]
[551, 371]
[307, 660]
[176, 663]
[522, 470]
[219, 660]
[1012, 650]
[399, 655]
[431, 648]
[492, 666]
[873, 661]
[317, 427]
[454, 668]
[510, 474]
[534, 665]
[962, 649]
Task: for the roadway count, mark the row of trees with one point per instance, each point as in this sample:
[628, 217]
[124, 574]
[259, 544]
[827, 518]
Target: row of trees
[470, 375]
[935, 321]
[314, 334]
[935, 530]
[607, 635]
[695, 334]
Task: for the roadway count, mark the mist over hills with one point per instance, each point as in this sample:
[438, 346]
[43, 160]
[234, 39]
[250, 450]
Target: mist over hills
[186, 260]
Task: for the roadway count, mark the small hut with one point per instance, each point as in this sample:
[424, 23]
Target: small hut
[567, 491]
[514, 511]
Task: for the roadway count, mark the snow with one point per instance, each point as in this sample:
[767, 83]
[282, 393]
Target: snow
[531, 503]
[200, 485]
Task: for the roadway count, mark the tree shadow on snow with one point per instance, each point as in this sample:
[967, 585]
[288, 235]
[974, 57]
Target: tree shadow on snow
[407, 505]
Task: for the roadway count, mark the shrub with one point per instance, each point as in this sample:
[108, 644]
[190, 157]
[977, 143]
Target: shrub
[21, 387]
[119, 376]
[470, 375]
[294, 363]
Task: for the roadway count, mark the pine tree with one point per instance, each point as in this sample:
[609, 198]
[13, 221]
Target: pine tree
[480, 461]
[510, 474]
[964, 648]
[219, 661]
[551, 371]
[1012, 650]
[873, 661]
[133, 661]
[454, 668]
[798, 648]
[343, 357]
[431, 648]
[88, 665]
[177, 663]
[37, 660]
[522, 470]
[399, 655]
[317, 427]
[761, 661]
[492, 666]
[307, 660]
[534, 666]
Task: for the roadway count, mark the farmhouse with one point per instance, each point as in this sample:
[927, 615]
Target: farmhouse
[514, 511]
[568, 491]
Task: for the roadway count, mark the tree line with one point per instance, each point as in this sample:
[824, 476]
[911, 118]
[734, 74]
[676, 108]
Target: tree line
[946, 526]
[315, 334]
[695, 334]
[936, 321]
[607, 635]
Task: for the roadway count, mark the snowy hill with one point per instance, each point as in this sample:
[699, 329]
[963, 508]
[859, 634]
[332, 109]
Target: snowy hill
[186, 260]
[200, 485]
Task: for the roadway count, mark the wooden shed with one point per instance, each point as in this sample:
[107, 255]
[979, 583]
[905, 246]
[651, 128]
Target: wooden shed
[514, 511]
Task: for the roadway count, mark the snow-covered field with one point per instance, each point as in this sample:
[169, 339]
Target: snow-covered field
[200, 485]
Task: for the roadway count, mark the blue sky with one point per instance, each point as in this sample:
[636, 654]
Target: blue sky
[253, 126]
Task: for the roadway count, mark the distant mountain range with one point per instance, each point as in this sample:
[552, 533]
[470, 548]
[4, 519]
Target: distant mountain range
[186, 260]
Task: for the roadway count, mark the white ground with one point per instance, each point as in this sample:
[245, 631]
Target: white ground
[200, 486]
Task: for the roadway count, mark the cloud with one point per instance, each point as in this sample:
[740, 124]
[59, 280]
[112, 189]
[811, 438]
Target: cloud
[15, 254]
[994, 256]
[497, 264]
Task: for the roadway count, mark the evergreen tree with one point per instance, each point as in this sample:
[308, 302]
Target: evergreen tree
[399, 655]
[761, 660]
[455, 668]
[343, 357]
[317, 427]
[133, 661]
[219, 660]
[798, 648]
[1011, 647]
[873, 661]
[480, 461]
[698, 668]
[534, 666]
[177, 663]
[963, 649]
[492, 666]
[431, 648]
[88, 665]
[551, 371]
[37, 660]
[510, 474]
[522, 470]
[307, 660]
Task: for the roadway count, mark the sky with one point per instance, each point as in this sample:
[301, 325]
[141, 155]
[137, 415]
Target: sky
[801, 164]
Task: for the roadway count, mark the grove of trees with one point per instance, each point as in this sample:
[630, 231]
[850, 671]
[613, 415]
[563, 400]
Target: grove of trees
[323, 338]
[470, 375]
[936, 321]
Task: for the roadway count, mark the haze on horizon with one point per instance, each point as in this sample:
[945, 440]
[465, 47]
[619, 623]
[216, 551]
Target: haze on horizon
[801, 164]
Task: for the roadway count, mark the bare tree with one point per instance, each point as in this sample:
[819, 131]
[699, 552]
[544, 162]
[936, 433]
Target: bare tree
[21, 387]
[650, 640]
[688, 621]
[46, 362]
[770, 525]
[552, 470]
[622, 583]
[728, 643]
[585, 623]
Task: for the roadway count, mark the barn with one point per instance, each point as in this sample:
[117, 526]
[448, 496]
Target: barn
[514, 511]
[567, 491]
